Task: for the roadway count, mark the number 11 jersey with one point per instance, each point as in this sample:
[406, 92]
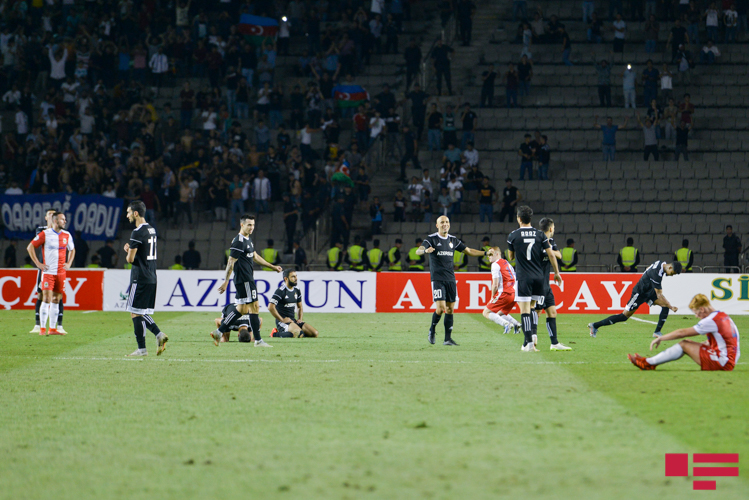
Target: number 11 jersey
[529, 245]
[143, 238]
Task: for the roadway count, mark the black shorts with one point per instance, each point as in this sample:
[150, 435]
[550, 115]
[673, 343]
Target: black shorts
[246, 292]
[547, 301]
[531, 289]
[640, 297]
[284, 327]
[141, 298]
[444, 290]
[39, 281]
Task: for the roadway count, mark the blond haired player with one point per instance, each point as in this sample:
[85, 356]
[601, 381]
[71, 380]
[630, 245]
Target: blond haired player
[503, 293]
[719, 352]
[56, 243]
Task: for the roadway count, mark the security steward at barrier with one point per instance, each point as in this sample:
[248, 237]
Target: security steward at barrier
[508, 259]
[375, 257]
[394, 256]
[177, 266]
[569, 258]
[484, 264]
[628, 257]
[271, 255]
[356, 258]
[460, 262]
[335, 256]
[685, 256]
[416, 261]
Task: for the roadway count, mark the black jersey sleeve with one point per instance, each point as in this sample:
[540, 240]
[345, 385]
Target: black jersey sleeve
[511, 242]
[136, 239]
[237, 249]
[459, 245]
[427, 242]
[277, 296]
[656, 280]
[544, 240]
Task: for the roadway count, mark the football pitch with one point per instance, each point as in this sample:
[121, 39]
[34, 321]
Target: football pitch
[368, 410]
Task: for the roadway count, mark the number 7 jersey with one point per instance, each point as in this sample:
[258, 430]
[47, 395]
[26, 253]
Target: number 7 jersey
[529, 245]
[143, 238]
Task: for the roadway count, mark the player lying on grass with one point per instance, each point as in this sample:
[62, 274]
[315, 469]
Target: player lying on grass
[719, 352]
[503, 293]
[239, 324]
[281, 306]
[648, 290]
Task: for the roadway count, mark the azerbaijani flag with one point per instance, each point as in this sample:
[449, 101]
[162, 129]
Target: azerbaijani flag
[256, 28]
[348, 96]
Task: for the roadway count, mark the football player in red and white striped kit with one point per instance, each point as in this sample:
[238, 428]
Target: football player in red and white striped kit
[503, 293]
[720, 352]
[57, 244]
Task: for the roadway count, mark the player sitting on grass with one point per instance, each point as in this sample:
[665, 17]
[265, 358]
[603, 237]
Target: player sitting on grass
[281, 306]
[719, 352]
[503, 293]
[239, 324]
[648, 290]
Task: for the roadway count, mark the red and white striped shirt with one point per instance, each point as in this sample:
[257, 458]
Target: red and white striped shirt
[55, 246]
[505, 274]
[722, 336]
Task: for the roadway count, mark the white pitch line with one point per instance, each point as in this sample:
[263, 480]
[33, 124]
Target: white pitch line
[89, 312]
[644, 320]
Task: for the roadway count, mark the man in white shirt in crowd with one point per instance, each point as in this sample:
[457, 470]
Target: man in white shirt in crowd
[471, 155]
[159, 65]
[261, 192]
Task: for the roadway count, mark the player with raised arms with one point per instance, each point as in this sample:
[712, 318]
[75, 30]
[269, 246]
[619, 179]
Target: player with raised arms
[503, 293]
[649, 290]
[527, 245]
[241, 256]
[57, 244]
[440, 247]
[720, 352]
[281, 306]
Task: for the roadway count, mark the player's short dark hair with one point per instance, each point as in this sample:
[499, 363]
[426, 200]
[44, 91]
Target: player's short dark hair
[244, 335]
[630, 241]
[138, 206]
[677, 266]
[245, 217]
[375, 243]
[545, 224]
[525, 213]
[270, 242]
[570, 241]
[287, 272]
[685, 243]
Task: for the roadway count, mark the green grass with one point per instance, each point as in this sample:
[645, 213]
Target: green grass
[369, 410]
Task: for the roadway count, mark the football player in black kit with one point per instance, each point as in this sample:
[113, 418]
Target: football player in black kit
[281, 306]
[241, 256]
[648, 290]
[440, 247]
[527, 245]
[141, 253]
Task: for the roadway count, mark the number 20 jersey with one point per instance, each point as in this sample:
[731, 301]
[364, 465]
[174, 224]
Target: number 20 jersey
[143, 238]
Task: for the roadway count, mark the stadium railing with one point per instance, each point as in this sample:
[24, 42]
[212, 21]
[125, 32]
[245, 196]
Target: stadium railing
[447, 35]
[594, 268]
[721, 269]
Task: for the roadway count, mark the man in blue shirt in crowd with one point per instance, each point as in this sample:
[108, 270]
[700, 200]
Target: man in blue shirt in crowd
[609, 137]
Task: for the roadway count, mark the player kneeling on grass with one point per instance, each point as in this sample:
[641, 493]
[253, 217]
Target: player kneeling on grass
[503, 293]
[719, 352]
[240, 324]
[281, 306]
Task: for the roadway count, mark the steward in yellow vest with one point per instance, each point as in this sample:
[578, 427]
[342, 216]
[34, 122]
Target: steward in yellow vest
[357, 256]
[569, 258]
[484, 264]
[177, 266]
[507, 257]
[629, 257]
[394, 256]
[335, 257]
[95, 262]
[270, 255]
[416, 262]
[460, 262]
[685, 256]
[375, 257]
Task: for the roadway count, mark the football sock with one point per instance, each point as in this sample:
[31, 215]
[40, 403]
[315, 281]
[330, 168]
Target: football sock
[662, 318]
[551, 325]
[435, 320]
[44, 314]
[284, 335]
[151, 324]
[448, 326]
[616, 318]
[59, 315]
[527, 321]
[671, 354]
[53, 312]
[139, 326]
[36, 313]
[255, 324]
[231, 315]
[510, 319]
[534, 328]
[498, 319]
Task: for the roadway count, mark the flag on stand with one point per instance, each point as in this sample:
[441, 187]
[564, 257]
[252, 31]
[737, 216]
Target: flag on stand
[348, 96]
[256, 28]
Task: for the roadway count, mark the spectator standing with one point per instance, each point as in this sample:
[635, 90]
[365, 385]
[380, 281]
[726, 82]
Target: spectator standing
[651, 34]
[413, 57]
[449, 130]
[300, 257]
[159, 65]
[411, 148]
[519, 10]
[525, 152]
[415, 192]
[376, 213]
[650, 80]
[466, 10]
[589, 7]
[487, 87]
[682, 141]
[469, 120]
[455, 186]
[399, 207]
[418, 100]
[649, 136]
[711, 16]
[732, 249]
[595, 28]
[604, 83]
[620, 31]
[544, 158]
[9, 259]
[677, 38]
[629, 83]
[667, 83]
[444, 201]
[261, 192]
[608, 144]
[730, 21]
[566, 46]
[108, 255]
[434, 125]
[525, 75]
[487, 196]
[191, 257]
[290, 218]
[510, 198]
[441, 56]
[685, 63]
[511, 87]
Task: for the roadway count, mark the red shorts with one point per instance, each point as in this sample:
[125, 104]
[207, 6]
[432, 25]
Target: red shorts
[53, 282]
[504, 304]
[709, 364]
